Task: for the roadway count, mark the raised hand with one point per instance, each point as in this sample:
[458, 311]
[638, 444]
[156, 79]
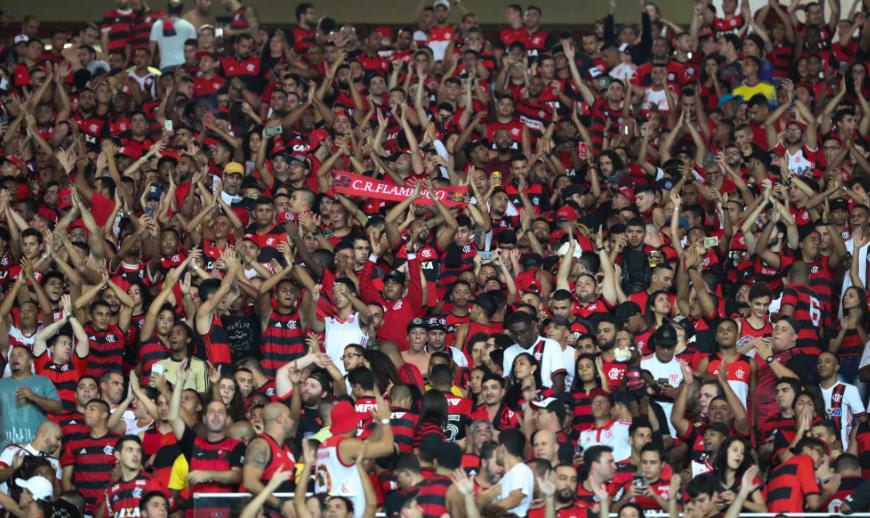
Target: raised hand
[462, 482]
[547, 484]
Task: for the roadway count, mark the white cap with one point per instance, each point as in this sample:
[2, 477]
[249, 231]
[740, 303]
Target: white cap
[441, 3]
[39, 487]
[21, 38]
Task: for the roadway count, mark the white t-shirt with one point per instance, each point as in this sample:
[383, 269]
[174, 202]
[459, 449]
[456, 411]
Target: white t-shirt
[172, 47]
[338, 334]
[670, 371]
[568, 357]
[614, 435]
[849, 407]
[518, 477]
[548, 353]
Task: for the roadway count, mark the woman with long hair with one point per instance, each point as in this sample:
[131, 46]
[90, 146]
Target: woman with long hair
[588, 377]
[732, 461]
[850, 333]
[384, 370]
[658, 309]
[227, 391]
[433, 416]
[525, 381]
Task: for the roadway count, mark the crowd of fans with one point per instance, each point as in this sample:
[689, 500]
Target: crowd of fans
[627, 274]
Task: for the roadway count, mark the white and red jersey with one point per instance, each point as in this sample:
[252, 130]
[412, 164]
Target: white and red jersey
[802, 163]
[749, 333]
[843, 406]
[738, 374]
[613, 434]
[334, 477]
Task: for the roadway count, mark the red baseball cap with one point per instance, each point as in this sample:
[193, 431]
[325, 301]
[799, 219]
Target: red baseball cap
[343, 418]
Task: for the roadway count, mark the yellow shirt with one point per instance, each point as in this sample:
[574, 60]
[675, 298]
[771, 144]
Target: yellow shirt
[178, 475]
[746, 92]
[198, 379]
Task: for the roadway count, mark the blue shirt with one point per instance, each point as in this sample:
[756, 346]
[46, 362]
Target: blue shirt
[18, 423]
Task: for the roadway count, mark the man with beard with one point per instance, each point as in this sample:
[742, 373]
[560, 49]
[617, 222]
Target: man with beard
[493, 410]
[215, 460]
[488, 474]
[567, 505]
[800, 147]
[614, 368]
[635, 264]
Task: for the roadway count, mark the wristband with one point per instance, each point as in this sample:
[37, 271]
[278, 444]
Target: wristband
[373, 258]
[411, 256]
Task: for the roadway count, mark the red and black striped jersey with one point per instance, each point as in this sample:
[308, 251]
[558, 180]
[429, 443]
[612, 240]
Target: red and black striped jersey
[122, 498]
[217, 343]
[583, 419]
[204, 455]
[140, 32]
[822, 285]
[119, 25]
[106, 352]
[790, 483]
[283, 341]
[808, 312]
[73, 426]
[151, 351]
[92, 460]
[65, 378]
[432, 496]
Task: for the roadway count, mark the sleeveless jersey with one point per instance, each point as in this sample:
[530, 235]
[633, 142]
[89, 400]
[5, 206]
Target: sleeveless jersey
[334, 477]
[217, 343]
[282, 341]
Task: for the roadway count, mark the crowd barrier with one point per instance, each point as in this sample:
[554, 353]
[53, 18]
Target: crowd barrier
[227, 505]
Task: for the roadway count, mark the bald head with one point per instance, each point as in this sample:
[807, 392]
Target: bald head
[242, 431]
[273, 412]
[48, 437]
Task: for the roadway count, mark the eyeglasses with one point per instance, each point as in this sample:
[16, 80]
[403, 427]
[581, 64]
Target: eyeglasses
[351, 355]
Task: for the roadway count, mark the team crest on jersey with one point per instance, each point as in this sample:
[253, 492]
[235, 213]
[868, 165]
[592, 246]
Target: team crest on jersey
[108, 449]
[137, 492]
[836, 398]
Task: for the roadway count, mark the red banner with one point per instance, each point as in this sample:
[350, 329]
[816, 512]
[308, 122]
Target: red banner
[359, 186]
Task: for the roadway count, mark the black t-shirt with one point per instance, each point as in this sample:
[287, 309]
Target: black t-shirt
[243, 332]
